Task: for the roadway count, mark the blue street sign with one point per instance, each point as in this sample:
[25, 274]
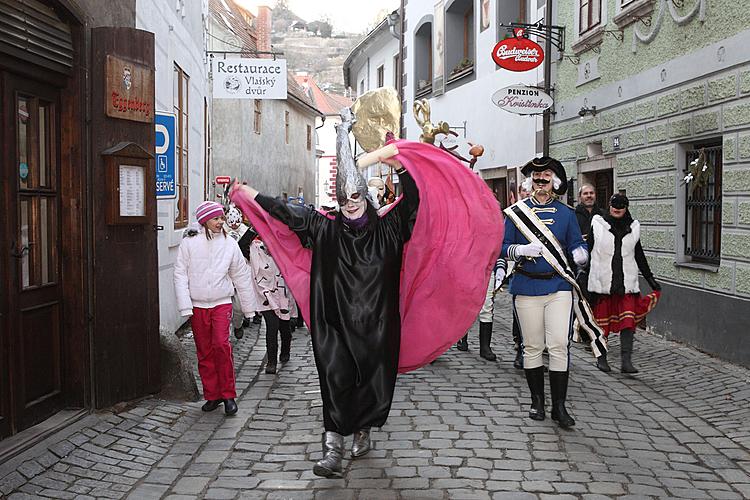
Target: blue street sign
[166, 182]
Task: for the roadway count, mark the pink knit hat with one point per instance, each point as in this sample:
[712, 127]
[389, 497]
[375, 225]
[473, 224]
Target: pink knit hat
[208, 210]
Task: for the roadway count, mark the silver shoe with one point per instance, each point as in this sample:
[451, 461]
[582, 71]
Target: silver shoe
[361, 443]
[333, 453]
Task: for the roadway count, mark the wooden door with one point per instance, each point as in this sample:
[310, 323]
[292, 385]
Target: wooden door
[32, 332]
[604, 187]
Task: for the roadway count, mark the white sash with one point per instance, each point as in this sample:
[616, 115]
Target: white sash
[535, 230]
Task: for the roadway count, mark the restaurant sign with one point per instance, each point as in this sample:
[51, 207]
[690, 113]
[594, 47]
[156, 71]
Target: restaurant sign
[244, 78]
[129, 92]
[518, 54]
[522, 100]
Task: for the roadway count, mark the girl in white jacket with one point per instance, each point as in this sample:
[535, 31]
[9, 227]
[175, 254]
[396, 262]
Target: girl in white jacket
[208, 269]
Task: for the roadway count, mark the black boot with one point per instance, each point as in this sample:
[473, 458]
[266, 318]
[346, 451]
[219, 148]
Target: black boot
[535, 379]
[485, 336]
[286, 339]
[463, 344]
[626, 350]
[518, 362]
[601, 363]
[239, 333]
[558, 383]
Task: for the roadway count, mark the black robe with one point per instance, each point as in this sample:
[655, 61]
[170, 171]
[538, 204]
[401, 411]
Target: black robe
[354, 305]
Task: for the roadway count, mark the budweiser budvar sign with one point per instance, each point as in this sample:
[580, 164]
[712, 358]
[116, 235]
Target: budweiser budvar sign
[522, 100]
[518, 54]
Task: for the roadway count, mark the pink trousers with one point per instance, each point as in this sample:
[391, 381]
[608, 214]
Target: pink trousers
[211, 329]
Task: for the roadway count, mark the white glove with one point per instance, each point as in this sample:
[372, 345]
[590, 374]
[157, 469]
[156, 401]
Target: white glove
[499, 277]
[530, 250]
[580, 256]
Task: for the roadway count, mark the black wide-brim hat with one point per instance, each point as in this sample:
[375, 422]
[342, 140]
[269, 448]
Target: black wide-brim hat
[543, 163]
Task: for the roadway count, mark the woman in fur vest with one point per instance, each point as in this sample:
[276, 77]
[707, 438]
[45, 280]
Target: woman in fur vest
[616, 257]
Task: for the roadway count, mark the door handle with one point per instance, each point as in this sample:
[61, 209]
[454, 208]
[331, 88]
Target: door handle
[19, 254]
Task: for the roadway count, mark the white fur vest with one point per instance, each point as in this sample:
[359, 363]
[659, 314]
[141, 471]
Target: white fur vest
[601, 272]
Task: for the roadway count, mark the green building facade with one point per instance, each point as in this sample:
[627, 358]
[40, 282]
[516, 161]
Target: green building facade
[644, 88]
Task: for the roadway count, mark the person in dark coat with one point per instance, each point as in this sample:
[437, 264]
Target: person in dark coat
[586, 208]
[354, 289]
[585, 211]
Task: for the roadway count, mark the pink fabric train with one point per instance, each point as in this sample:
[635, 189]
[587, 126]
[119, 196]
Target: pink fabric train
[447, 263]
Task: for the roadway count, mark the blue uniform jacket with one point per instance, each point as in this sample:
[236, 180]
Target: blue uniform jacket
[561, 220]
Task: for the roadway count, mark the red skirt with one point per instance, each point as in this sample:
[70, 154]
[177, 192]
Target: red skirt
[615, 313]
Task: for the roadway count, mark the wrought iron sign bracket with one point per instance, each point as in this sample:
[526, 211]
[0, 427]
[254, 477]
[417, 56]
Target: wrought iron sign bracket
[573, 59]
[557, 33]
[646, 21]
[618, 35]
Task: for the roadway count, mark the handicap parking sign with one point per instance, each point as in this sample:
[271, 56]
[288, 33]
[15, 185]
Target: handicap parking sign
[165, 156]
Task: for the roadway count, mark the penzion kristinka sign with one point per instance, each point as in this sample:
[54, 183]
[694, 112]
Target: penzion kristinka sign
[522, 100]
[518, 54]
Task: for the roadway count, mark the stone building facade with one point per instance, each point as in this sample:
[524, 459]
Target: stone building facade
[644, 87]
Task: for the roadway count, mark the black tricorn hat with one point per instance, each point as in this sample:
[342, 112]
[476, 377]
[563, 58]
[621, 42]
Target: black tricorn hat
[543, 163]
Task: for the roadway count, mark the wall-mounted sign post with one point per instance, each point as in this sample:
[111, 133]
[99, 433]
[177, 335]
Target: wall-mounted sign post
[129, 91]
[244, 78]
[165, 156]
[519, 53]
[522, 100]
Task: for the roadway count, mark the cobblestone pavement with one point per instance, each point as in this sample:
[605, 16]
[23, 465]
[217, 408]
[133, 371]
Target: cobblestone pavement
[458, 429]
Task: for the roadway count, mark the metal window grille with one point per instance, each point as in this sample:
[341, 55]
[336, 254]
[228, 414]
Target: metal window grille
[703, 211]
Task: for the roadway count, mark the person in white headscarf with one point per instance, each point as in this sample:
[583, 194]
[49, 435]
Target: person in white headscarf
[236, 229]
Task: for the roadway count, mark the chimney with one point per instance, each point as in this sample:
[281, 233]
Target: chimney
[263, 28]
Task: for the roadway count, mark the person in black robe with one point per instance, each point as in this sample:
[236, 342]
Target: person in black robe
[355, 323]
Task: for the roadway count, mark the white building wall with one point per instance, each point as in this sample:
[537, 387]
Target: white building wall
[179, 39]
[509, 140]
[379, 50]
[326, 136]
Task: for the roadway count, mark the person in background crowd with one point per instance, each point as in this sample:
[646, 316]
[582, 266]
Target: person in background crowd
[486, 315]
[586, 208]
[616, 258]
[208, 270]
[275, 301]
[236, 229]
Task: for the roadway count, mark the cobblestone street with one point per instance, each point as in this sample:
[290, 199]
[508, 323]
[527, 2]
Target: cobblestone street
[458, 429]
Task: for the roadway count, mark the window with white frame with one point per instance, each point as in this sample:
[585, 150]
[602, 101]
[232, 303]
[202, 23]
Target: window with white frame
[460, 39]
[423, 60]
[589, 15]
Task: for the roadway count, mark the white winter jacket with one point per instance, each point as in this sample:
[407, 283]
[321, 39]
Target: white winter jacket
[207, 272]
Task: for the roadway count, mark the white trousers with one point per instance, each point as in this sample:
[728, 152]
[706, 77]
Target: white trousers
[545, 320]
[488, 309]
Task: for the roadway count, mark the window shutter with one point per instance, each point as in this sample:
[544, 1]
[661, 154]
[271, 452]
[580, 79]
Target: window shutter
[32, 32]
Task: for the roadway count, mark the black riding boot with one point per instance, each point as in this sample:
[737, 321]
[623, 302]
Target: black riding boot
[463, 344]
[272, 340]
[286, 339]
[518, 362]
[485, 336]
[626, 350]
[558, 383]
[535, 379]
[601, 363]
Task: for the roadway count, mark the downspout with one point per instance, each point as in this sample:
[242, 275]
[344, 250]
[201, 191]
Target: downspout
[547, 74]
[89, 203]
[400, 88]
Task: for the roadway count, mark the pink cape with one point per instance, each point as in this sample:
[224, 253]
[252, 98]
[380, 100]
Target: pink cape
[447, 262]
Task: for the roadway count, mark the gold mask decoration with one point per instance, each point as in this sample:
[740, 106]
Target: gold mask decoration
[377, 112]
